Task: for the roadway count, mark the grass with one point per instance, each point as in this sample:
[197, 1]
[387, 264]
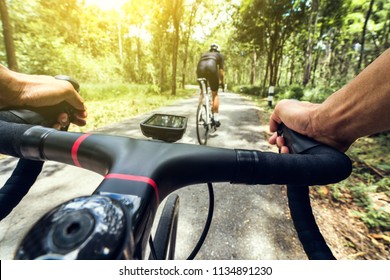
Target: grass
[115, 102]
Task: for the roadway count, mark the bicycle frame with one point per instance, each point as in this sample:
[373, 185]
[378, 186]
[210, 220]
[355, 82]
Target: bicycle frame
[138, 174]
[204, 113]
[206, 97]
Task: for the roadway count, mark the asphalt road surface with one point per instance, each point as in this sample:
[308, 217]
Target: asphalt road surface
[250, 222]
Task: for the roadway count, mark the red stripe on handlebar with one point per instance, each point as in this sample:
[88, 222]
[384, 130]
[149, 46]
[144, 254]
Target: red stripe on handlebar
[135, 178]
[75, 148]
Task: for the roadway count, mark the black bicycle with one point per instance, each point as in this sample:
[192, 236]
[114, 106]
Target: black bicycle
[115, 221]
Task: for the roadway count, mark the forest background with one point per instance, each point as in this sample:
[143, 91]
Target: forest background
[304, 49]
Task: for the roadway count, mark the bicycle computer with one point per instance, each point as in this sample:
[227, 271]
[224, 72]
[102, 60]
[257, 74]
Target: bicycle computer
[165, 127]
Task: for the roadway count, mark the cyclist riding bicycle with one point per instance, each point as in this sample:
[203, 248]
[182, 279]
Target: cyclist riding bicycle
[210, 67]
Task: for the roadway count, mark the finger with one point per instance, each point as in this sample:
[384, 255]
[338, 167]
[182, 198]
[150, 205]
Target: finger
[272, 139]
[284, 150]
[63, 119]
[73, 97]
[81, 114]
[280, 141]
[76, 102]
[274, 123]
[275, 119]
[57, 126]
[78, 120]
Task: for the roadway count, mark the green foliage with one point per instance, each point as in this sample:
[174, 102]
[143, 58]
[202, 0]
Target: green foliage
[296, 92]
[359, 193]
[339, 191]
[114, 102]
[369, 180]
[384, 185]
[375, 218]
[293, 92]
[264, 42]
[250, 90]
[361, 188]
[317, 95]
[105, 91]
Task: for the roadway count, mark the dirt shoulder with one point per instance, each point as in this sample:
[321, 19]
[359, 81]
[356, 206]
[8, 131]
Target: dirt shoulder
[347, 236]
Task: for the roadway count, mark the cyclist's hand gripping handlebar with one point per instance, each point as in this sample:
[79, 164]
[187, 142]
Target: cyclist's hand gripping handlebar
[47, 115]
[26, 171]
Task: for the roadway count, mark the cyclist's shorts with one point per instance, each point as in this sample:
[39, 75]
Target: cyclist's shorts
[208, 69]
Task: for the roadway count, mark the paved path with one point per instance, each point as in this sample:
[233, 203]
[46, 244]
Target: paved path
[250, 222]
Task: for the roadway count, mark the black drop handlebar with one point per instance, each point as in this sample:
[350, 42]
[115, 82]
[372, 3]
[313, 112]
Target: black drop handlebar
[166, 167]
[163, 162]
[162, 168]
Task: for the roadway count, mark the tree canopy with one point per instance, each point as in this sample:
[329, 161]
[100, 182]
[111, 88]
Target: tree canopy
[316, 43]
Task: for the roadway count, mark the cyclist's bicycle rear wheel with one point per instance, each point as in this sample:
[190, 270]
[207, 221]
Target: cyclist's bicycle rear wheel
[165, 236]
[202, 126]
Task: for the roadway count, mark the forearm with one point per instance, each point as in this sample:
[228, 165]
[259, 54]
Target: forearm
[360, 108]
[8, 86]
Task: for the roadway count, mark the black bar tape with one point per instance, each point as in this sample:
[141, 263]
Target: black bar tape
[308, 232]
[319, 166]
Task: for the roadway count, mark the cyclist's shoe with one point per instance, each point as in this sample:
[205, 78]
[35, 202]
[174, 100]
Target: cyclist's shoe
[215, 122]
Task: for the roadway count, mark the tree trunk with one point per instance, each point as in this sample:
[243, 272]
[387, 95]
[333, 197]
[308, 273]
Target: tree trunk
[177, 14]
[309, 48]
[139, 61]
[174, 62]
[271, 57]
[266, 73]
[317, 57]
[292, 69]
[253, 68]
[162, 57]
[187, 41]
[359, 67]
[8, 37]
[120, 45]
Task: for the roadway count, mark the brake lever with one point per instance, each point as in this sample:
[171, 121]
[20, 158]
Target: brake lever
[296, 142]
[46, 116]
[74, 83]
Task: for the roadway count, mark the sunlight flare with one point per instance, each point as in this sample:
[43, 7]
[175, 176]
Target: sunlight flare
[105, 4]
